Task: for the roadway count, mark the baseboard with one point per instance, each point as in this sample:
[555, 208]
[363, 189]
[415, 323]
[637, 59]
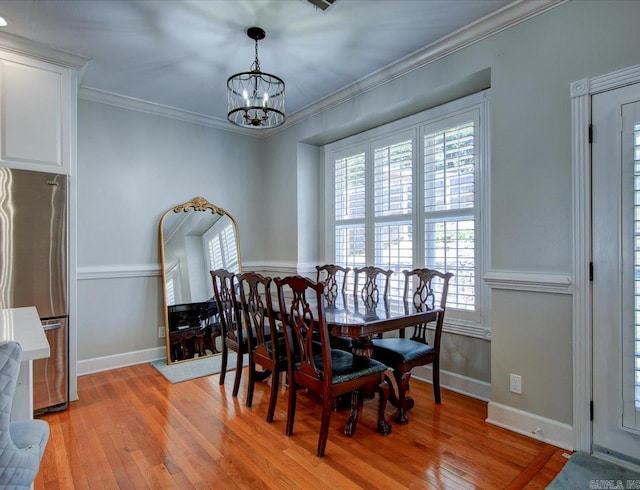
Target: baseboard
[455, 382]
[98, 364]
[528, 424]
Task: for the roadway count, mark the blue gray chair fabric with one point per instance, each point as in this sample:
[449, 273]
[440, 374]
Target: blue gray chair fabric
[22, 443]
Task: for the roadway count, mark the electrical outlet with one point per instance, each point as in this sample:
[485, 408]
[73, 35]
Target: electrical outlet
[161, 332]
[515, 384]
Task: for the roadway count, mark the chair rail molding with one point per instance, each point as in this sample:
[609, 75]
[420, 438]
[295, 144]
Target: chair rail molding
[285, 268]
[529, 281]
[118, 271]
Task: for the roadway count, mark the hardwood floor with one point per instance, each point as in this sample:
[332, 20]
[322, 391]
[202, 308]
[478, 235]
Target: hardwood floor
[132, 429]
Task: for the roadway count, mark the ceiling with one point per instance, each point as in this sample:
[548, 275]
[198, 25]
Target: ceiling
[179, 54]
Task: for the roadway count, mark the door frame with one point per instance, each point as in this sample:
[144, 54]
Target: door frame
[581, 92]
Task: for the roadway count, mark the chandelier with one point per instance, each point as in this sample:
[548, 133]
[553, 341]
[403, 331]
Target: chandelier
[255, 99]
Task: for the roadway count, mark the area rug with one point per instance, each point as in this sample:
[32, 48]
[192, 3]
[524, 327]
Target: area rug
[184, 371]
[585, 471]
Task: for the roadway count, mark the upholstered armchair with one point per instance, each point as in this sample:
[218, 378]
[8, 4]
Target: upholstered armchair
[22, 443]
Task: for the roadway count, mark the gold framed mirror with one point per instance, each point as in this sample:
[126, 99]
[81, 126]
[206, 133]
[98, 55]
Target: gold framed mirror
[195, 237]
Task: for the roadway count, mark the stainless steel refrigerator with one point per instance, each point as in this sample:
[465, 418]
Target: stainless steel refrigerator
[34, 270]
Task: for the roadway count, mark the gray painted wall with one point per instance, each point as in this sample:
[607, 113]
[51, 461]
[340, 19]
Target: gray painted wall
[132, 166]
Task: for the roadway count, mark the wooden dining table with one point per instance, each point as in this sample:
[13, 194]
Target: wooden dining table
[361, 320]
[349, 316]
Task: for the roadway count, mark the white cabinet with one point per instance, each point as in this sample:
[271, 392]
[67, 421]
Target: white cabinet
[37, 103]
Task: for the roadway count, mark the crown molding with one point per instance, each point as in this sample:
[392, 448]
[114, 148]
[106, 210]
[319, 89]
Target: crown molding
[109, 98]
[26, 47]
[500, 20]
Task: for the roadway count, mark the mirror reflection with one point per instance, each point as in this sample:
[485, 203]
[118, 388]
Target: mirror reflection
[195, 237]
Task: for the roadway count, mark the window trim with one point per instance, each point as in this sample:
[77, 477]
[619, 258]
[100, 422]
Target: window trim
[479, 102]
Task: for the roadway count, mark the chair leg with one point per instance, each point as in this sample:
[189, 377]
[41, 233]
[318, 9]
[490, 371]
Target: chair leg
[436, 380]
[356, 408]
[273, 398]
[236, 383]
[291, 408]
[223, 364]
[251, 381]
[383, 388]
[406, 403]
[324, 425]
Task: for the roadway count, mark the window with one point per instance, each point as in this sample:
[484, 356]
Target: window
[408, 194]
[220, 246]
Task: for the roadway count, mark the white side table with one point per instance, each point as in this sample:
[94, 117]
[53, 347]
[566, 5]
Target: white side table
[23, 325]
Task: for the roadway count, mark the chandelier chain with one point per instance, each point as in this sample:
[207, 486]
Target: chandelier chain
[256, 63]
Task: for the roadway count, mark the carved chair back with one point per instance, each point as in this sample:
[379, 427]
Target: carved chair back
[334, 278]
[224, 290]
[426, 289]
[366, 284]
[306, 333]
[257, 308]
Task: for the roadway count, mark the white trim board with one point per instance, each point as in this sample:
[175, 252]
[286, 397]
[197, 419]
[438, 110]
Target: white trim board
[529, 281]
[106, 363]
[531, 425]
[452, 381]
[118, 271]
[471, 387]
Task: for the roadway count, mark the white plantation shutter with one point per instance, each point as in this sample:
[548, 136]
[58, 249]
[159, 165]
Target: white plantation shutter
[393, 215]
[220, 244]
[449, 209]
[630, 332]
[350, 243]
[349, 185]
[214, 252]
[406, 195]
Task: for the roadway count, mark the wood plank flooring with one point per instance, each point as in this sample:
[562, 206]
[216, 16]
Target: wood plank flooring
[132, 429]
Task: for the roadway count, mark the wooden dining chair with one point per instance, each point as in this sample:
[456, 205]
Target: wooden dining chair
[224, 290]
[334, 278]
[265, 342]
[425, 289]
[366, 282]
[314, 365]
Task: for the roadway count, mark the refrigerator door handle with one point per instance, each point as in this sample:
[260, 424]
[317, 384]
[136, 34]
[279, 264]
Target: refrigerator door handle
[53, 326]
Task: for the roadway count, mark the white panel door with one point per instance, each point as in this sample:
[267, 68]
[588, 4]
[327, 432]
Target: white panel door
[616, 280]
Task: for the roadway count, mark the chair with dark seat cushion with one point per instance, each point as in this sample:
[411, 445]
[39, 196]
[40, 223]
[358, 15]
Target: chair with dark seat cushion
[224, 290]
[425, 289]
[314, 365]
[22, 443]
[261, 328]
